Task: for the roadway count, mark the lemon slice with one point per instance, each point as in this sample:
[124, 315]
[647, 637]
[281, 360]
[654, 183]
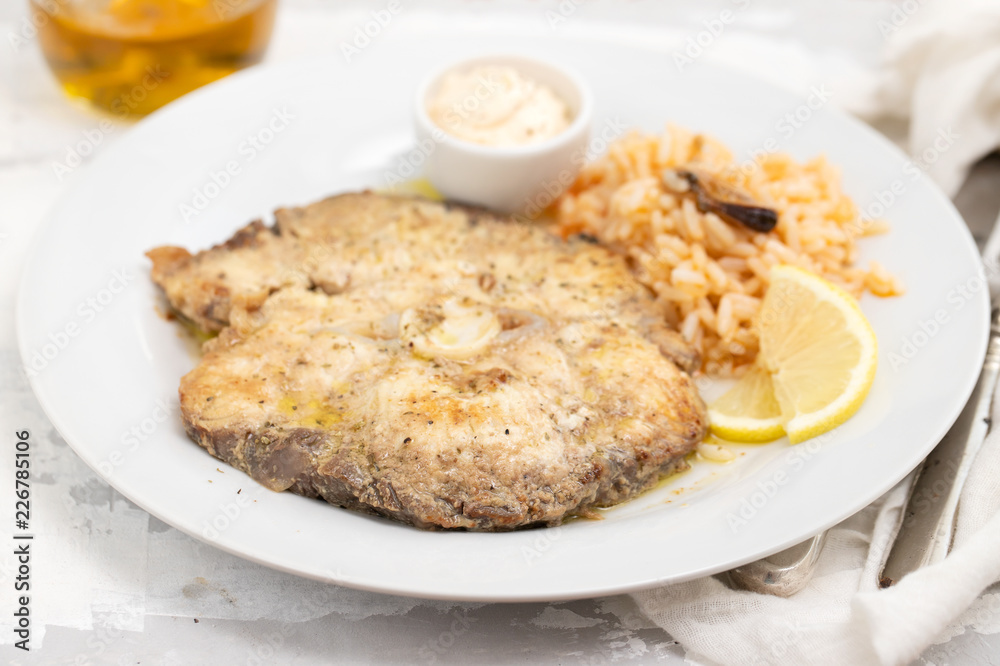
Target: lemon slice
[748, 412]
[819, 353]
[818, 347]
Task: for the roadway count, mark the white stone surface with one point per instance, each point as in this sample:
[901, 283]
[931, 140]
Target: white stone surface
[133, 590]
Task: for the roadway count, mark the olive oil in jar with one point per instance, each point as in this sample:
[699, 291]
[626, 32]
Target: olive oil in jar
[131, 57]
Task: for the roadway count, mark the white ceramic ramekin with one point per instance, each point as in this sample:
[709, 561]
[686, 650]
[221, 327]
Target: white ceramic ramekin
[517, 179]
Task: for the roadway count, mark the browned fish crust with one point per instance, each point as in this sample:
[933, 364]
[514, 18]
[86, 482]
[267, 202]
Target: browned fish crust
[432, 364]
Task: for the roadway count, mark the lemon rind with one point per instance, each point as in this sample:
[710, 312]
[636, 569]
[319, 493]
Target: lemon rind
[802, 427]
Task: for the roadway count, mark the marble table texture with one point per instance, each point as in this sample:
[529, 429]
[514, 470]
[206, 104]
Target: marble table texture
[129, 589]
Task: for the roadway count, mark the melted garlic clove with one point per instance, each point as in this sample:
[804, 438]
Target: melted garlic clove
[715, 452]
[456, 330]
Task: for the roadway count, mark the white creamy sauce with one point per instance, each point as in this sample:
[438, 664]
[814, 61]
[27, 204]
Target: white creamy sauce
[497, 106]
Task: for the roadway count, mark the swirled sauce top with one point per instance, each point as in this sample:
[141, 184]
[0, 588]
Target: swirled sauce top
[497, 106]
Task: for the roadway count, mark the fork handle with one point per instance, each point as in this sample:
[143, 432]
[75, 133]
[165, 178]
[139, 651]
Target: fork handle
[927, 522]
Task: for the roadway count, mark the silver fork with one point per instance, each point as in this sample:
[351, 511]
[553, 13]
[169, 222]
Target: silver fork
[927, 522]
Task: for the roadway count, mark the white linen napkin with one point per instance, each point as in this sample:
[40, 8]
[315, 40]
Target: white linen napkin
[841, 617]
[942, 72]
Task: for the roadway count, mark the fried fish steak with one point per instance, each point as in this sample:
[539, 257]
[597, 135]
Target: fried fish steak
[434, 364]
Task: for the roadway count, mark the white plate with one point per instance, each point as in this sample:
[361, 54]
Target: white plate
[350, 125]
